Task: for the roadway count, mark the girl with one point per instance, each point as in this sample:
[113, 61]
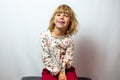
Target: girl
[57, 46]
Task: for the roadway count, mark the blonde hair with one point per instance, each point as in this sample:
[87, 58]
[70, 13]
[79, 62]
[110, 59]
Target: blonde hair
[72, 28]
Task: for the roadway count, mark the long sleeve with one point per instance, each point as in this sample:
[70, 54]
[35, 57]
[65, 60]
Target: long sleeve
[46, 56]
[68, 59]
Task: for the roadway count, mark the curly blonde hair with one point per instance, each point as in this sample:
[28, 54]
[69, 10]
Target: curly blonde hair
[72, 28]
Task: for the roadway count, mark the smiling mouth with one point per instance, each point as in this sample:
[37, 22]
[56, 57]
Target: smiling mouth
[61, 22]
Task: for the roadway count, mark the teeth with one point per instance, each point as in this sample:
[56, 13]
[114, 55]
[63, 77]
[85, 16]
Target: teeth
[61, 22]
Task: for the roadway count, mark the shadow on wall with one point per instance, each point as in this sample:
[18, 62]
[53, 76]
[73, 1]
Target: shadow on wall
[85, 56]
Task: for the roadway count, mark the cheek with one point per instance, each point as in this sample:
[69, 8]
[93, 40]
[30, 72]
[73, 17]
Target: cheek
[54, 21]
[68, 22]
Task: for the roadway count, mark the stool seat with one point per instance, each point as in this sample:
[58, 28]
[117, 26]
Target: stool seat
[39, 78]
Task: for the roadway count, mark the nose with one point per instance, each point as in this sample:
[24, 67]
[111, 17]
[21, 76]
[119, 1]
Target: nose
[62, 16]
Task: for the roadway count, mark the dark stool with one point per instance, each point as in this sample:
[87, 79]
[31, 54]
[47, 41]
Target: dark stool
[39, 78]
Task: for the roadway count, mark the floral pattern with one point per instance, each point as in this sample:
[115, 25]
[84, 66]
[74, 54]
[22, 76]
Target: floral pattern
[57, 53]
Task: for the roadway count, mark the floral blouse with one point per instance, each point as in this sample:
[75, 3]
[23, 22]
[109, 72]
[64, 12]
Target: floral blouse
[57, 53]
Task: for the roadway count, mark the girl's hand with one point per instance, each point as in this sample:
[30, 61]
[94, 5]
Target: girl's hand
[62, 76]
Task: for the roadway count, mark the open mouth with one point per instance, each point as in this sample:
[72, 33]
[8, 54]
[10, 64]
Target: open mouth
[61, 22]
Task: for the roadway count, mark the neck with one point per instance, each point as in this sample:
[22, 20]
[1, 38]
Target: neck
[58, 33]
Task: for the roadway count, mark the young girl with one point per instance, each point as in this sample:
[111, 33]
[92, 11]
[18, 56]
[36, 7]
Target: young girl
[57, 46]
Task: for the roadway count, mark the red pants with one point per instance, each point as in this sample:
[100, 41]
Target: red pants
[70, 74]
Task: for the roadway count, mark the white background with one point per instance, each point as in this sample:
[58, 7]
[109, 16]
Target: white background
[97, 42]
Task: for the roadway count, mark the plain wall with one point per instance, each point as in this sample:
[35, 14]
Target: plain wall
[97, 44]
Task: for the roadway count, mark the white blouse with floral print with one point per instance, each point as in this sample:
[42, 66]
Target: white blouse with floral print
[57, 53]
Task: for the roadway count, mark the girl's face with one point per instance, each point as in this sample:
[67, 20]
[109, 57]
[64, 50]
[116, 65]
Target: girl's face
[62, 21]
